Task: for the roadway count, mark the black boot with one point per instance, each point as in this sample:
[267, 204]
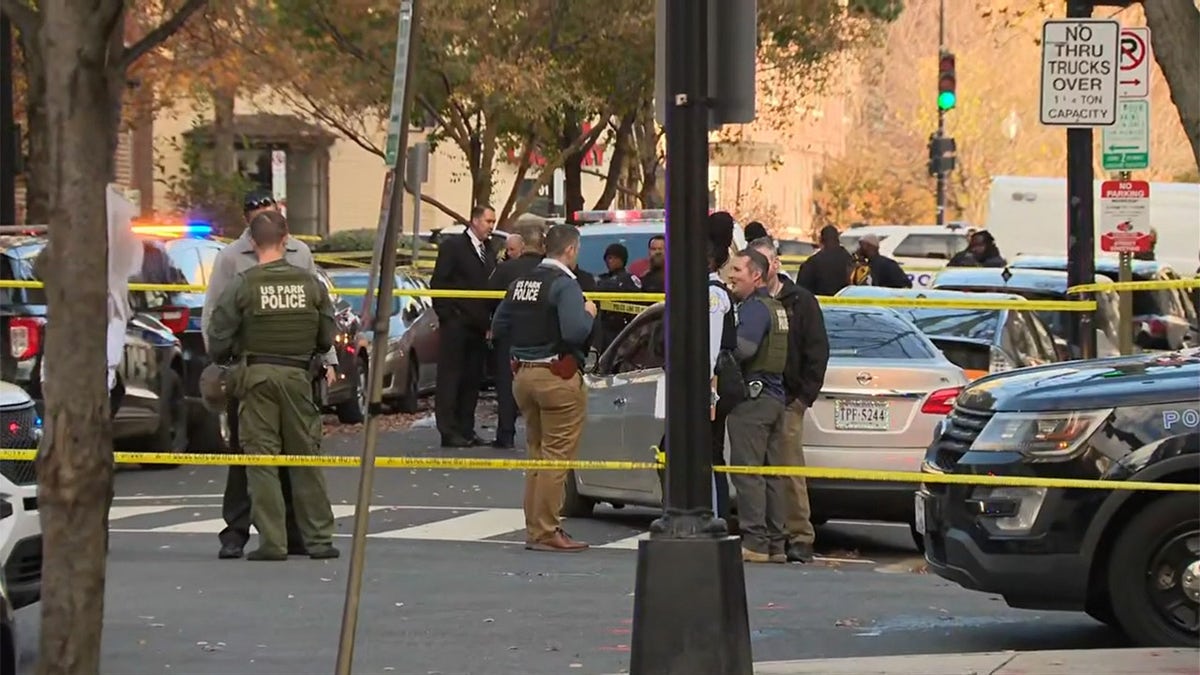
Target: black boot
[799, 552]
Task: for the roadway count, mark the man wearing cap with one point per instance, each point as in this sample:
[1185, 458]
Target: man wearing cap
[876, 269]
[235, 258]
[616, 279]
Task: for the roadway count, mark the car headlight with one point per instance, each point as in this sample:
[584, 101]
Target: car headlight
[1040, 436]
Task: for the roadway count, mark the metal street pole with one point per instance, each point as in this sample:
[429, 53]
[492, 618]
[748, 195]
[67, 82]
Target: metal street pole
[1125, 297]
[1081, 226]
[381, 317]
[9, 152]
[690, 615]
[941, 128]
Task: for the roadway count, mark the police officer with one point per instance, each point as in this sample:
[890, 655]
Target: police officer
[616, 280]
[274, 318]
[531, 232]
[237, 257]
[756, 425]
[546, 319]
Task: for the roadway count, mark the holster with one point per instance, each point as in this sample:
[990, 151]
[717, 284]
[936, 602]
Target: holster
[316, 372]
[565, 366]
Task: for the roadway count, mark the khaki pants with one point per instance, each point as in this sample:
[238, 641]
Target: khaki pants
[799, 513]
[554, 410]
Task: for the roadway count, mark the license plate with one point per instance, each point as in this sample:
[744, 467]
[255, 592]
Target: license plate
[919, 514]
[861, 416]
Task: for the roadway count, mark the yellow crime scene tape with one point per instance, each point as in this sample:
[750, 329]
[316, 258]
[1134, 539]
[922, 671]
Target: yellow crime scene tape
[1032, 305]
[484, 464]
[1157, 285]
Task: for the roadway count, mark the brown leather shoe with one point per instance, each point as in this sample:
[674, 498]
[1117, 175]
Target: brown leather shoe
[559, 542]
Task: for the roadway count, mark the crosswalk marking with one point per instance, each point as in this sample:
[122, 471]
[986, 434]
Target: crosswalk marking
[119, 512]
[215, 525]
[627, 544]
[471, 527]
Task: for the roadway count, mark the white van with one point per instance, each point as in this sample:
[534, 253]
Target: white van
[1029, 216]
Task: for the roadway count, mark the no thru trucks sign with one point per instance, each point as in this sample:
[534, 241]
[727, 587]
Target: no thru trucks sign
[1080, 64]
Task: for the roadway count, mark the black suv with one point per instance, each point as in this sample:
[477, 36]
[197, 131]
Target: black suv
[1128, 558]
[152, 415]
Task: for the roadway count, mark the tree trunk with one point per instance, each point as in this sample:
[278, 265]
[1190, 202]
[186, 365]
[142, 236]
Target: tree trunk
[1175, 33]
[651, 195]
[84, 83]
[617, 162]
[572, 165]
[224, 150]
[37, 168]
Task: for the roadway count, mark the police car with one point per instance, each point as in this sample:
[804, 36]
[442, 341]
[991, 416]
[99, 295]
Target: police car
[20, 527]
[1128, 558]
[632, 228]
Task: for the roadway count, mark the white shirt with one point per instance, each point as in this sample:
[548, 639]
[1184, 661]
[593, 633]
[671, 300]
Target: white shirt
[480, 250]
[124, 261]
[718, 305]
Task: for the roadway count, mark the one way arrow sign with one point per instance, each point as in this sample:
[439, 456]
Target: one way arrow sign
[1134, 80]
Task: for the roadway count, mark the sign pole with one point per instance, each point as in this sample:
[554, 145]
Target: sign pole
[1125, 297]
[382, 316]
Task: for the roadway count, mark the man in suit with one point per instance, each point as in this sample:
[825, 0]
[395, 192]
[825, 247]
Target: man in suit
[464, 262]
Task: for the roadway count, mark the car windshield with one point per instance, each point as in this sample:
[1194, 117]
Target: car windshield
[872, 335]
[591, 248]
[966, 323]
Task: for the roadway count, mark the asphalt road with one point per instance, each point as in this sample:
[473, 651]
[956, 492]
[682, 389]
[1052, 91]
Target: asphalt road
[449, 588]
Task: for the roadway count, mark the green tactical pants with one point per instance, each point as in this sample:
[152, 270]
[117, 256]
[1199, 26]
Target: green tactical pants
[278, 416]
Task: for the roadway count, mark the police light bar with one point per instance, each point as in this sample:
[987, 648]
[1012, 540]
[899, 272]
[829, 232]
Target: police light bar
[187, 230]
[620, 216]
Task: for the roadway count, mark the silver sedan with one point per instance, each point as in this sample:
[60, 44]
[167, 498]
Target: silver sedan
[886, 388]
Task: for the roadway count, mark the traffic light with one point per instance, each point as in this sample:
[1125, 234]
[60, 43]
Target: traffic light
[943, 154]
[946, 81]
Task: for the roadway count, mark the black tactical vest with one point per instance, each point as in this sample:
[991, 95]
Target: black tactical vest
[534, 318]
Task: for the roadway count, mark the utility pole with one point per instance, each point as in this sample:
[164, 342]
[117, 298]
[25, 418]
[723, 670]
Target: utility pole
[1081, 219]
[9, 152]
[942, 150]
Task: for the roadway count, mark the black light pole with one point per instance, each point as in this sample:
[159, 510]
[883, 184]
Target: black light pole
[689, 615]
[1081, 227]
[941, 127]
[8, 135]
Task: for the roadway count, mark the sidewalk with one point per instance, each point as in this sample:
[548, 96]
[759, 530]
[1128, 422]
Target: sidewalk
[1094, 661]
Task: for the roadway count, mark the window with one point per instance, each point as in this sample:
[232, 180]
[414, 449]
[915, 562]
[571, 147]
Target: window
[969, 323]
[208, 260]
[641, 345]
[874, 335]
[591, 248]
[935, 246]
[1023, 340]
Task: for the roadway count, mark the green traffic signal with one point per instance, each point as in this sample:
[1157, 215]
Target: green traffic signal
[946, 100]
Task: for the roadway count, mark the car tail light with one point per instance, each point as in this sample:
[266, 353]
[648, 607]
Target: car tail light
[999, 362]
[24, 337]
[941, 401]
[175, 318]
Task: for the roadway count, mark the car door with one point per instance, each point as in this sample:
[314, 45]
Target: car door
[620, 423]
[425, 336]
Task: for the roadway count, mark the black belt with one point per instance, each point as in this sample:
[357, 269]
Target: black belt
[267, 360]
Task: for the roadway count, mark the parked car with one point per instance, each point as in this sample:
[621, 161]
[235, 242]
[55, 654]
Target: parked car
[921, 249]
[980, 341]
[1129, 558]
[632, 228]
[886, 387]
[153, 414]
[411, 367]
[347, 397]
[20, 525]
[1162, 319]
[1039, 285]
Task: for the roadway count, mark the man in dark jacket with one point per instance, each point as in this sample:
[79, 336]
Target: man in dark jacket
[828, 270]
[803, 377]
[616, 280]
[981, 252]
[883, 271]
[532, 235]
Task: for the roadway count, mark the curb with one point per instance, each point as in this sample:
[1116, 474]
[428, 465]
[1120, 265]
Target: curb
[1099, 661]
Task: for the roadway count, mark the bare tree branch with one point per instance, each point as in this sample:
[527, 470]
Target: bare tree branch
[440, 206]
[161, 32]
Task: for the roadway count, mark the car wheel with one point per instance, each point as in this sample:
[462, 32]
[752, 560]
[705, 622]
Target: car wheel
[410, 400]
[1154, 574]
[172, 434]
[354, 411]
[575, 505]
